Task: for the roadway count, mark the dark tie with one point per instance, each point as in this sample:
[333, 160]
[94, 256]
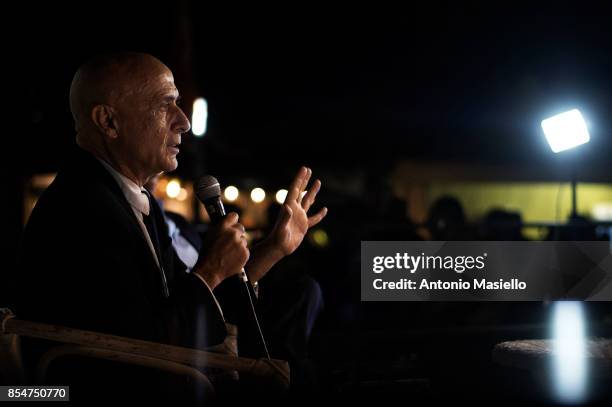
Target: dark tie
[150, 222]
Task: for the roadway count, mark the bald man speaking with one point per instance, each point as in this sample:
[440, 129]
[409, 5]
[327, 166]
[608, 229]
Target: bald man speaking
[96, 252]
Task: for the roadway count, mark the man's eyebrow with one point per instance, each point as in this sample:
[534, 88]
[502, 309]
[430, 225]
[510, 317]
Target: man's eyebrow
[171, 97]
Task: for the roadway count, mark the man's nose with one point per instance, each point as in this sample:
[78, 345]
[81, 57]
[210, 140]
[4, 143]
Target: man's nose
[182, 124]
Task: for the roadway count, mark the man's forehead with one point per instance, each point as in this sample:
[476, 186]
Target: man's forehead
[167, 78]
[161, 84]
[167, 83]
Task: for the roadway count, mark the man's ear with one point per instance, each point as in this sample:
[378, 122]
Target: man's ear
[104, 117]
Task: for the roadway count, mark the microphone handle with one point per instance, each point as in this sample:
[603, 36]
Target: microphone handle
[215, 209]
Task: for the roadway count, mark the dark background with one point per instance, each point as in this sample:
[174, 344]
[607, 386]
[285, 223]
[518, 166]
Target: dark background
[347, 91]
[351, 89]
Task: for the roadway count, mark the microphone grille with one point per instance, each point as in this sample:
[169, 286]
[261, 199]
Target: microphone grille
[207, 187]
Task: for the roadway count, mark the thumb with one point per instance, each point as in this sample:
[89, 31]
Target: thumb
[230, 219]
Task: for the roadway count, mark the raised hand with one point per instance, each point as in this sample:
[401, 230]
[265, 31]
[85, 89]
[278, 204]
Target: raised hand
[293, 221]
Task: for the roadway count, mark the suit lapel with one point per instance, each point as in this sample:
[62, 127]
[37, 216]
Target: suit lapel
[100, 174]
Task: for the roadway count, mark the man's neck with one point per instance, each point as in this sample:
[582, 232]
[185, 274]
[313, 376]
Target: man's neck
[125, 171]
[105, 155]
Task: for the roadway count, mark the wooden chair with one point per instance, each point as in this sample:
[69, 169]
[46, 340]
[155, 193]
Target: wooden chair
[174, 359]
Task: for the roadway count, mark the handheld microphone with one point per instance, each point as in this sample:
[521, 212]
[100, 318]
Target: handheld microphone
[208, 191]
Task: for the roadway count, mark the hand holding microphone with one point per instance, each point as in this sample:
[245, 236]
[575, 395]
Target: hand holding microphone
[225, 249]
[226, 252]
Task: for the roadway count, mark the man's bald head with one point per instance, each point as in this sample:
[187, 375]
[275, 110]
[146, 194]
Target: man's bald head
[126, 112]
[108, 79]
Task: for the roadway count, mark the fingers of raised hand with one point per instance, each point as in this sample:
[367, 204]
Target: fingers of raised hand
[298, 184]
[310, 196]
[316, 218]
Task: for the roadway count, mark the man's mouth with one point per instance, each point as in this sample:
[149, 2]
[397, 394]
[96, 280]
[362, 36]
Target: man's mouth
[174, 147]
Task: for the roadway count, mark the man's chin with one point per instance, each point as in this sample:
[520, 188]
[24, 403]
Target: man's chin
[171, 165]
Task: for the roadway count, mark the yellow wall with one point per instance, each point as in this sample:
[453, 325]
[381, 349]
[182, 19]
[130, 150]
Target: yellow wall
[537, 202]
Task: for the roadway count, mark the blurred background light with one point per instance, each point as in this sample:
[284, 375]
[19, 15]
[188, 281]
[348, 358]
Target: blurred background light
[566, 130]
[173, 189]
[199, 117]
[231, 193]
[281, 195]
[258, 195]
[569, 352]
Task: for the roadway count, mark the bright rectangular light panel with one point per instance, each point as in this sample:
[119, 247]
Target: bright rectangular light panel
[566, 130]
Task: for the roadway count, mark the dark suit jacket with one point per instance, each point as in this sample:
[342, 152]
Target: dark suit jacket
[85, 263]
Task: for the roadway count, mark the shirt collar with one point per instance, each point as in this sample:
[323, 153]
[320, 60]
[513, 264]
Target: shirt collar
[134, 194]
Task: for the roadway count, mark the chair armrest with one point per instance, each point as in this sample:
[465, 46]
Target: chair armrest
[277, 371]
[116, 356]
